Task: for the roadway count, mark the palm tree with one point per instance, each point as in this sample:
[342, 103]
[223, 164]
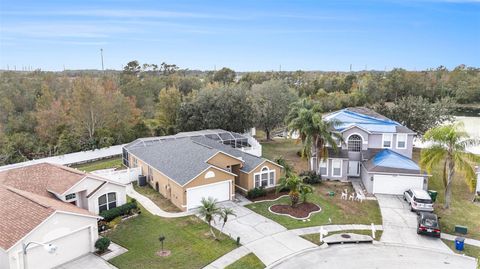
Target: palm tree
[305, 190]
[288, 168]
[224, 213]
[315, 134]
[295, 184]
[208, 210]
[448, 148]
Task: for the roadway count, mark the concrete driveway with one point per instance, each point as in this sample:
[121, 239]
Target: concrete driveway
[379, 256]
[399, 225]
[269, 240]
[90, 261]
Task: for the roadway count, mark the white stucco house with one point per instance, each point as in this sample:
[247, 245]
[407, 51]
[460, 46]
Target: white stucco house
[51, 204]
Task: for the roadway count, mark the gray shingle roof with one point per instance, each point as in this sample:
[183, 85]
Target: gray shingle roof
[250, 161]
[182, 159]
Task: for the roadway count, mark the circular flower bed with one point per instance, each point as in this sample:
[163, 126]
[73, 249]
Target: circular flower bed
[301, 211]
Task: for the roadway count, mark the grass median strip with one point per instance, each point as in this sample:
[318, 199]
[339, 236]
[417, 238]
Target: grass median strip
[249, 261]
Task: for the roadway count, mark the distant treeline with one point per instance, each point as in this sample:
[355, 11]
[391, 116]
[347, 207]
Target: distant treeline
[50, 113]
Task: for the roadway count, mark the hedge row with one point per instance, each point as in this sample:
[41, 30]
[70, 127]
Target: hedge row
[122, 210]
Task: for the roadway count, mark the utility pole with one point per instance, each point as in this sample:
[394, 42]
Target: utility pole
[101, 55]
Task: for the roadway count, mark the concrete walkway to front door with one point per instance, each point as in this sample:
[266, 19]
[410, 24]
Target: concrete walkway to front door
[268, 240]
[152, 207]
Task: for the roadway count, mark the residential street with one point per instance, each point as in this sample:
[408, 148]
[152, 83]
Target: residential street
[379, 256]
[399, 225]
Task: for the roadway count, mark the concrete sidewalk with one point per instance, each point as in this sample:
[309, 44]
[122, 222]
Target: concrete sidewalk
[335, 228]
[468, 241]
[229, 258]
[152, 207]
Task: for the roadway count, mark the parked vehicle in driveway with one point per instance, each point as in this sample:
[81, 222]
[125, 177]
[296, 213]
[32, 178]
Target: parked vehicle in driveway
[428, 224]
[419, 200]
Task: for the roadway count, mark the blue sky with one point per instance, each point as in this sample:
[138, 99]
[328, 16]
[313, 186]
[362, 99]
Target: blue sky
[244, 35]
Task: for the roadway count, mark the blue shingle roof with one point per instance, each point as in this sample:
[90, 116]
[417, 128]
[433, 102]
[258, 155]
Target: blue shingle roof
[392, 162]
[348, 118]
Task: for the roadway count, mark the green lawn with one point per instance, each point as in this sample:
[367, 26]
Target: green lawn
[339, 211]
[315, 238]
[188, 238]
[101, 164]
[156, 197]
[286, 148]
[468, 250]
[462, 210]
[249, 261]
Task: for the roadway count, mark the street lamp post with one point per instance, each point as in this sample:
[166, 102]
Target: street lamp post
[50, 248]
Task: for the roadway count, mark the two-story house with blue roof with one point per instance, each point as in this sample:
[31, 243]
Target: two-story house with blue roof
[375, 149]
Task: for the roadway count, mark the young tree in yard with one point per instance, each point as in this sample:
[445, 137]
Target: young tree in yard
[314, 133]
[208, 210]
[271, 100]
[224, 213]
[304, 191]
[295, 184]
[448, 149]
[288, 168]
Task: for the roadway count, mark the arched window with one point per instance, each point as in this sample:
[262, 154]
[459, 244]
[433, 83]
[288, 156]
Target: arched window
[355, 143]
[107, 201]
[265, 178]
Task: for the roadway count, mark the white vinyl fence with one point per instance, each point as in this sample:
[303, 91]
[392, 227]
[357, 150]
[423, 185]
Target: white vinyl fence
[124, 176]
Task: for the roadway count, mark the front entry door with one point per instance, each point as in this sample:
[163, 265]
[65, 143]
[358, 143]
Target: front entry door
[354, 168]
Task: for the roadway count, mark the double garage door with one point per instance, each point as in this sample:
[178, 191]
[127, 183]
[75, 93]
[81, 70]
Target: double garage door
[69, 247]
[396, 184]
[220, 191]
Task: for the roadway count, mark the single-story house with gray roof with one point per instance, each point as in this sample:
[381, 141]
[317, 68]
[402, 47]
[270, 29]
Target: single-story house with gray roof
[185, 169]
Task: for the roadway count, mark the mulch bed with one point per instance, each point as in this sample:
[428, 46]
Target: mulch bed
[271, 195]
[302, 210]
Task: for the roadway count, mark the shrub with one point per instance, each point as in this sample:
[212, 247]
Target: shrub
[122, 210]
[256, 192]
[310, 177]
[102, 244]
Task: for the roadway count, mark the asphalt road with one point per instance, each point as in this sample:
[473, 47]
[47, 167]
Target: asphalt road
[378, 256]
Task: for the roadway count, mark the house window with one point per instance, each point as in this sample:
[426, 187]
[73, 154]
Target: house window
[355, 143]
[401, 141]
[135, 162]
[266, 178]
[107, 202]
[70, 196]
[336, 168]
[322, 169]
[387, 140]
[149, 174]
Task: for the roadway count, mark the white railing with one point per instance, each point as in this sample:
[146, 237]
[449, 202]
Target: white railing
[256, 147]
[124, 176]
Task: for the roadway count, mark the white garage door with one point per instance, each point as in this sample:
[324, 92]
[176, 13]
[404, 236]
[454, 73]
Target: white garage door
[391, 184]
[69, 247]
[220, 191]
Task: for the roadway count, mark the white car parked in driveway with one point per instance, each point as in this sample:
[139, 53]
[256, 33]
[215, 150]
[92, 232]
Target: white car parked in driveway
[419, 200]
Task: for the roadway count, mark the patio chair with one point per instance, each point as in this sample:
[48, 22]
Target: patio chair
[360, 197]
[344, 195]
[352, 196]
